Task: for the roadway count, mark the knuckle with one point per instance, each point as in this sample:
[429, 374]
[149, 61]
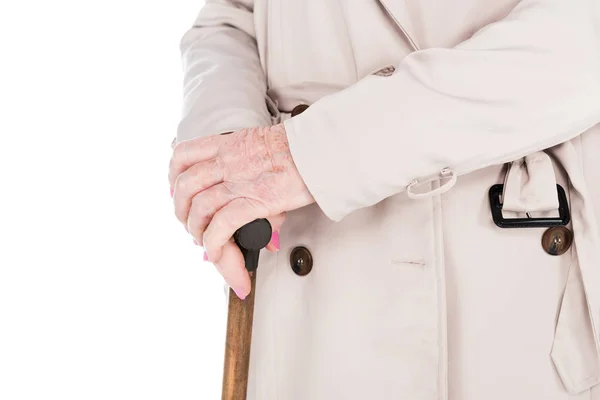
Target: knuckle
[178, 156]
[182, 183]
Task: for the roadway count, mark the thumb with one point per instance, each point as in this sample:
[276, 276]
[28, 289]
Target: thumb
[276, 222]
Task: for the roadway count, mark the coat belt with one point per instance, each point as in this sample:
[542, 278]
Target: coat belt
[576, 346]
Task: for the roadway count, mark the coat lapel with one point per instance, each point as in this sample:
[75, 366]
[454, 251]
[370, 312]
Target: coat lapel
[398, 12]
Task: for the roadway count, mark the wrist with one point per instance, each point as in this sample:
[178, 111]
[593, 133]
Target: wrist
[278, 147]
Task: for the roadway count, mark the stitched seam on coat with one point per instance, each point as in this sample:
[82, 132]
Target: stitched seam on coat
[442, 301]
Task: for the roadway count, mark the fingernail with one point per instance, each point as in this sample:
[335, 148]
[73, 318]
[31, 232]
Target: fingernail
[205, 256]
[238, 295]
[172, 191]
[275, 239]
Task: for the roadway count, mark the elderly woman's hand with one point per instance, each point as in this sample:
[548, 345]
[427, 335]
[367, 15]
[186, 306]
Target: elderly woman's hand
[222, 182]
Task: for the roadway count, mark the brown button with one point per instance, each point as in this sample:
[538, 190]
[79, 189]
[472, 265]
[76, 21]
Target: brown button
[301, 261]
[557, 240]
[299, 109]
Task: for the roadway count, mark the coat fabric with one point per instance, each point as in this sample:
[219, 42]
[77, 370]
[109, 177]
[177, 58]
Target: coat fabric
[416, 109]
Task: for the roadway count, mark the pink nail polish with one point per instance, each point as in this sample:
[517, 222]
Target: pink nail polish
[172, 191]
[238, 295]
[205, 256]
[275, 239]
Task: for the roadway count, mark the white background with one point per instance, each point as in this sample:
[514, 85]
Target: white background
[103, 294]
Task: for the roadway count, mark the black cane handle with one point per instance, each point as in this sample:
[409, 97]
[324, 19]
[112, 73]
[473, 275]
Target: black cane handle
[251, 238]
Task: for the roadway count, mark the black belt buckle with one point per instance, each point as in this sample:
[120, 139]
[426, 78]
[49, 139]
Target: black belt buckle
[496, 206]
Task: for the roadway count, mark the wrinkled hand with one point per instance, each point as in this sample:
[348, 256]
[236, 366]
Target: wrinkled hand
[223, 182]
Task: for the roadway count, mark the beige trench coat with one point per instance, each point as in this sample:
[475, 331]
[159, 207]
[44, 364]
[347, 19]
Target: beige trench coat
[417, 108]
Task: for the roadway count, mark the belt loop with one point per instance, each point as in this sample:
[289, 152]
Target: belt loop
[445, 173]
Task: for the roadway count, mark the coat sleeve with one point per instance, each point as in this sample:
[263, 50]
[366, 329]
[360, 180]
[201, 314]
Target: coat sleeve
[519, 85]
[224, 86]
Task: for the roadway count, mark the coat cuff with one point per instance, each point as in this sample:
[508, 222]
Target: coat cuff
[332, 167]
[323, 179]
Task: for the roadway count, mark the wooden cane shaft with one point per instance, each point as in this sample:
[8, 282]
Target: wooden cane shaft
[237, 344]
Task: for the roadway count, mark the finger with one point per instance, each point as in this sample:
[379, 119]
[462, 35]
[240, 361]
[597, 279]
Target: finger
[190, 152]
[233, 269]
[226, 221]
[276, 223]
[192, 181]
[203, 207]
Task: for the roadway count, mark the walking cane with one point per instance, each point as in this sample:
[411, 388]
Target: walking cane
[250, 238]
